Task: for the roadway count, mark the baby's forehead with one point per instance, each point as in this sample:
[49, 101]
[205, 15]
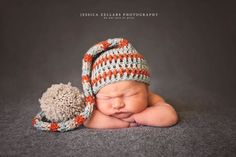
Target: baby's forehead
[123, 87]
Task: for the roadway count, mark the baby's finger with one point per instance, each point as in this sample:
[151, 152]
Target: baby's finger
[129, 119]
[133, 124]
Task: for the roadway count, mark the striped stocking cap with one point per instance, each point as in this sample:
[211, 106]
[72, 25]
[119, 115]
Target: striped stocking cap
[107, 62]
[111, 61]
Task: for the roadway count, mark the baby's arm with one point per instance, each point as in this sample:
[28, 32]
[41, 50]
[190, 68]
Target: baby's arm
[159, 113]
[100, 121]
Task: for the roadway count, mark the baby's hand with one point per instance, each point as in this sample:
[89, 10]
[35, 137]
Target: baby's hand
[100, 120]
[133, 124]
[131, 121]
[160, 114]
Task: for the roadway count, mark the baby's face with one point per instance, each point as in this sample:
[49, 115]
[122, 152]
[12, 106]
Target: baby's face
[122, 99]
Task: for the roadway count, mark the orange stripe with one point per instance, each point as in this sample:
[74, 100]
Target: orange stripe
[88, 58]
[89, 99]
[121, 72]
[85, 78]
[123, 43]
[79, 120]
[54, 126]
[104, 44]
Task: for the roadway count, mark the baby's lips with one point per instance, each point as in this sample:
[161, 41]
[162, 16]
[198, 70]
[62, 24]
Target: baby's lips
[122, 115]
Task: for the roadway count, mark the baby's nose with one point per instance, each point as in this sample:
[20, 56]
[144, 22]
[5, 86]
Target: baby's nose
[117, 103]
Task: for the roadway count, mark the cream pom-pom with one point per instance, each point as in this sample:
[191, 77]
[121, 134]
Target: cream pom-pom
[61, 102]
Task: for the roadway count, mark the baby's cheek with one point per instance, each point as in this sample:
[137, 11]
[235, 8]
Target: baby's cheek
[136, 105]
[103, 106]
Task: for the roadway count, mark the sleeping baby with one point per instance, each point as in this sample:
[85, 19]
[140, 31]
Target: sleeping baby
[116, 81]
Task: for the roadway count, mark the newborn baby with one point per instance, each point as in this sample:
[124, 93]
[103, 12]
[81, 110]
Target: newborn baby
[129, 104]
[116, 81]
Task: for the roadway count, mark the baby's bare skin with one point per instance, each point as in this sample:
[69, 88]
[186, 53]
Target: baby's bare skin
[129, 104]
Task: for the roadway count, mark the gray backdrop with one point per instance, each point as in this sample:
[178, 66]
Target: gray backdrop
[190, 48]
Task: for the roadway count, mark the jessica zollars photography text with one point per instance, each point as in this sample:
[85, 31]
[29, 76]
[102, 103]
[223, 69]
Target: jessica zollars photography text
[119, 16]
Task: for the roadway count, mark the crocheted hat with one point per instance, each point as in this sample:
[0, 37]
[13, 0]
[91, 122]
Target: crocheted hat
[107, 62]
[111, 61]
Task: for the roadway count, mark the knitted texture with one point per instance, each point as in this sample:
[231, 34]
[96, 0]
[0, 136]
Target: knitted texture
[106, 62]
[63, 109]
[61, 102]
[111, 61]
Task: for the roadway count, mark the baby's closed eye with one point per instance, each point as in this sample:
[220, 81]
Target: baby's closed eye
[103, 97]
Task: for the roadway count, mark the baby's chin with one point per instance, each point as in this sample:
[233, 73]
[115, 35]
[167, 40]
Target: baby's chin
[122, 115]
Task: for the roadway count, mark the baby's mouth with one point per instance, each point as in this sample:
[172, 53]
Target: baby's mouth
[122, 114]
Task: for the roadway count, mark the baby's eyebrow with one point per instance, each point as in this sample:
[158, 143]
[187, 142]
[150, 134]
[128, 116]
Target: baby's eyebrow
[109, 96]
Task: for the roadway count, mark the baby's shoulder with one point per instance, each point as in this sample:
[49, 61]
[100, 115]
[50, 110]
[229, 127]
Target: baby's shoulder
[154, 98]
